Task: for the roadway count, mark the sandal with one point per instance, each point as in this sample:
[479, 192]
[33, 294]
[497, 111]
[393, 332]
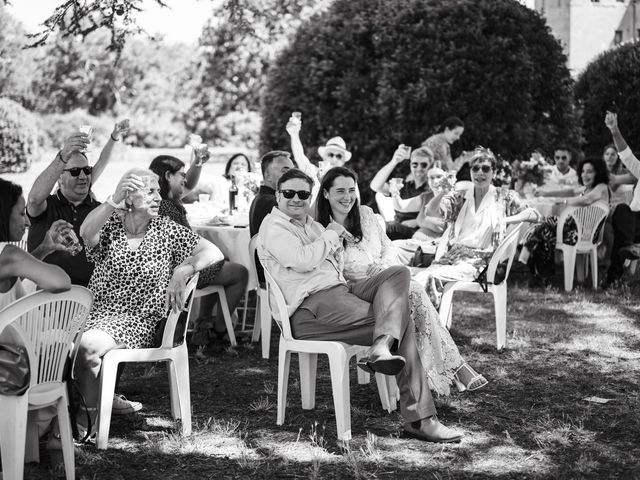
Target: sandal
[475, 381]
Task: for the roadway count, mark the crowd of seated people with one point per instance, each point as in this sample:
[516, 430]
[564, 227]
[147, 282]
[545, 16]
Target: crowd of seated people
[341, 274]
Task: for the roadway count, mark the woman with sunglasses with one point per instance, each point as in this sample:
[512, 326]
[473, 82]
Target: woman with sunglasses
[472, 215]
[233, 276]
[540, 244]
[405, 196]
[367, 252]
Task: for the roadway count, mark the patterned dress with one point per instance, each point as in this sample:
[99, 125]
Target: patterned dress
[178, 214]
[129, 286]
[438, 353]
[471, 236]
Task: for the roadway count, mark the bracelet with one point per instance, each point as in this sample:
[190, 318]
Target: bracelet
[114, 139]
[111, 202]
[59, 155]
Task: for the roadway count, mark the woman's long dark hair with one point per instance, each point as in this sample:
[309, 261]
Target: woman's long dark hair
[227, 167]
[9, 195]
[323, 209]
[160, 166]
[599, 169]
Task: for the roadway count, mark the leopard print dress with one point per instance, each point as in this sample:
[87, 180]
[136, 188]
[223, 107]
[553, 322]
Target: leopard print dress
[129, 286]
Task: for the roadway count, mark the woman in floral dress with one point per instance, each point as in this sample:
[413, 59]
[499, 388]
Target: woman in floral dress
[368, 251]
[473, 215]
[142, 264]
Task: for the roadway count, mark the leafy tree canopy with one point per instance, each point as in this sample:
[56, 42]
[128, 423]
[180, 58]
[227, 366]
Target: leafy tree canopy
[610, 82]
[380, 73]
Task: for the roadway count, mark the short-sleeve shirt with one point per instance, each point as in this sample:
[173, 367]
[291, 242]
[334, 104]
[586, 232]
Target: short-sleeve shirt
[409, 190]
[77, 266]
[129, 286]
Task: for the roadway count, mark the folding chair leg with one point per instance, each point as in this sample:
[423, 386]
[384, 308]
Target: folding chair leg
[107, 387]
[284, 361]
[339, 366]
[308, 371]
[13, 432]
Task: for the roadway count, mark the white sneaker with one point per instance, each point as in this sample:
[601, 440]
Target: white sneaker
[122, 406]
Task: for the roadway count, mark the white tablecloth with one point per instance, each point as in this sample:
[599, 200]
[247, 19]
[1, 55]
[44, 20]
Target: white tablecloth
[232, 241]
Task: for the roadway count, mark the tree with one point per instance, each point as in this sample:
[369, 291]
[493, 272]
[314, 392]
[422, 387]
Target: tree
[610, 82]
[380, 73]
[234, 57]
[15, 63]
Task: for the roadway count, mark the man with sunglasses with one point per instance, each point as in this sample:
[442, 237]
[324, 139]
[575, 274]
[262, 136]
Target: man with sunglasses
[407, 196]
[72, 201]
[307, 262]
[563, 179]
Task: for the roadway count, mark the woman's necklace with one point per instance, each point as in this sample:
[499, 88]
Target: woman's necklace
[131, 232]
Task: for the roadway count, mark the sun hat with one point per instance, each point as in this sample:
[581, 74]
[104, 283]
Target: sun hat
[335, 143]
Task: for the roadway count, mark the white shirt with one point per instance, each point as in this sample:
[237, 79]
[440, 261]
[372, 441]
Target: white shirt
[559, 179]
[633, 165]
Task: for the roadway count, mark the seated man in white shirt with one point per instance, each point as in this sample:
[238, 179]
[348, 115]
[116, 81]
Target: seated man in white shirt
[625, 218]
[307, 262]
[563, 180]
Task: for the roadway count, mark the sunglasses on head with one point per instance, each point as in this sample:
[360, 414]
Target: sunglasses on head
[484, 168]
[421, 164]
[336, 155]
[289, 194]
[75, 171]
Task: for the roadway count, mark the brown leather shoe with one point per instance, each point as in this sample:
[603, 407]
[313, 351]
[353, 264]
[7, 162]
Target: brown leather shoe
[431, 430]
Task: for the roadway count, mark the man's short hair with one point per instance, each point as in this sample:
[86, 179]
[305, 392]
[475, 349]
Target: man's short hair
[564, 148]
[269, 157]
[295, 173]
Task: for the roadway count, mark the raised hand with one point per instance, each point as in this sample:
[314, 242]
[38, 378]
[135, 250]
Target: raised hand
[294, 125]
[77, 142]
[611, 120]
[120, 129]
[128, 183]
[400, 155]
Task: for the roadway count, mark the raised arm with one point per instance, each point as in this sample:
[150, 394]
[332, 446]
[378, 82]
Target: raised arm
[44, 183]
[90, 228]
[119, 130]
[15, 262]
[628, 159]
[199, 156]
[379, 183]
[294, 125]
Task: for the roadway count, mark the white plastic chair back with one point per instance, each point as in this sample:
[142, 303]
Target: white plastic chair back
[385, 207]
[505, 251]
[48, 324]
[262, 322]
[587, 220]
[22, 243]
[280, 312]
[172, 318]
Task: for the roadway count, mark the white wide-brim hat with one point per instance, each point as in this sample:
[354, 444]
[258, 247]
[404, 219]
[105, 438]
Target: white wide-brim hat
[335, 143]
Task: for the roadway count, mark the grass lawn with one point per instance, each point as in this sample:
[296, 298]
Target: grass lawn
[531, 421]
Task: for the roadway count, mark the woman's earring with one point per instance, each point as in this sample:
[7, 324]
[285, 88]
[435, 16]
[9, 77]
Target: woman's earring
[129, 207]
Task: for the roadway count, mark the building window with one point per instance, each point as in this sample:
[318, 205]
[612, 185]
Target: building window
[617, 38]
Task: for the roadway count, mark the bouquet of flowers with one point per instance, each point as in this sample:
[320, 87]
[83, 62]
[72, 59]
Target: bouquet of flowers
[502, 177]
[535, 171]
[249, 182]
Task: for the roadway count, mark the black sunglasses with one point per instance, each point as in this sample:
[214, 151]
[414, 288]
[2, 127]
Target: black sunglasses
[289, 194]
[75, 171]
[422, 164]
[484, 168]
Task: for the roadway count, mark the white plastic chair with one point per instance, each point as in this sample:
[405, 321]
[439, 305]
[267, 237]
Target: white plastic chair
[47, 324]
[587, 220]
[226, 313]
[385, 207]
[177, 357]
[262, 322]
[506, 251]
[339, 354]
